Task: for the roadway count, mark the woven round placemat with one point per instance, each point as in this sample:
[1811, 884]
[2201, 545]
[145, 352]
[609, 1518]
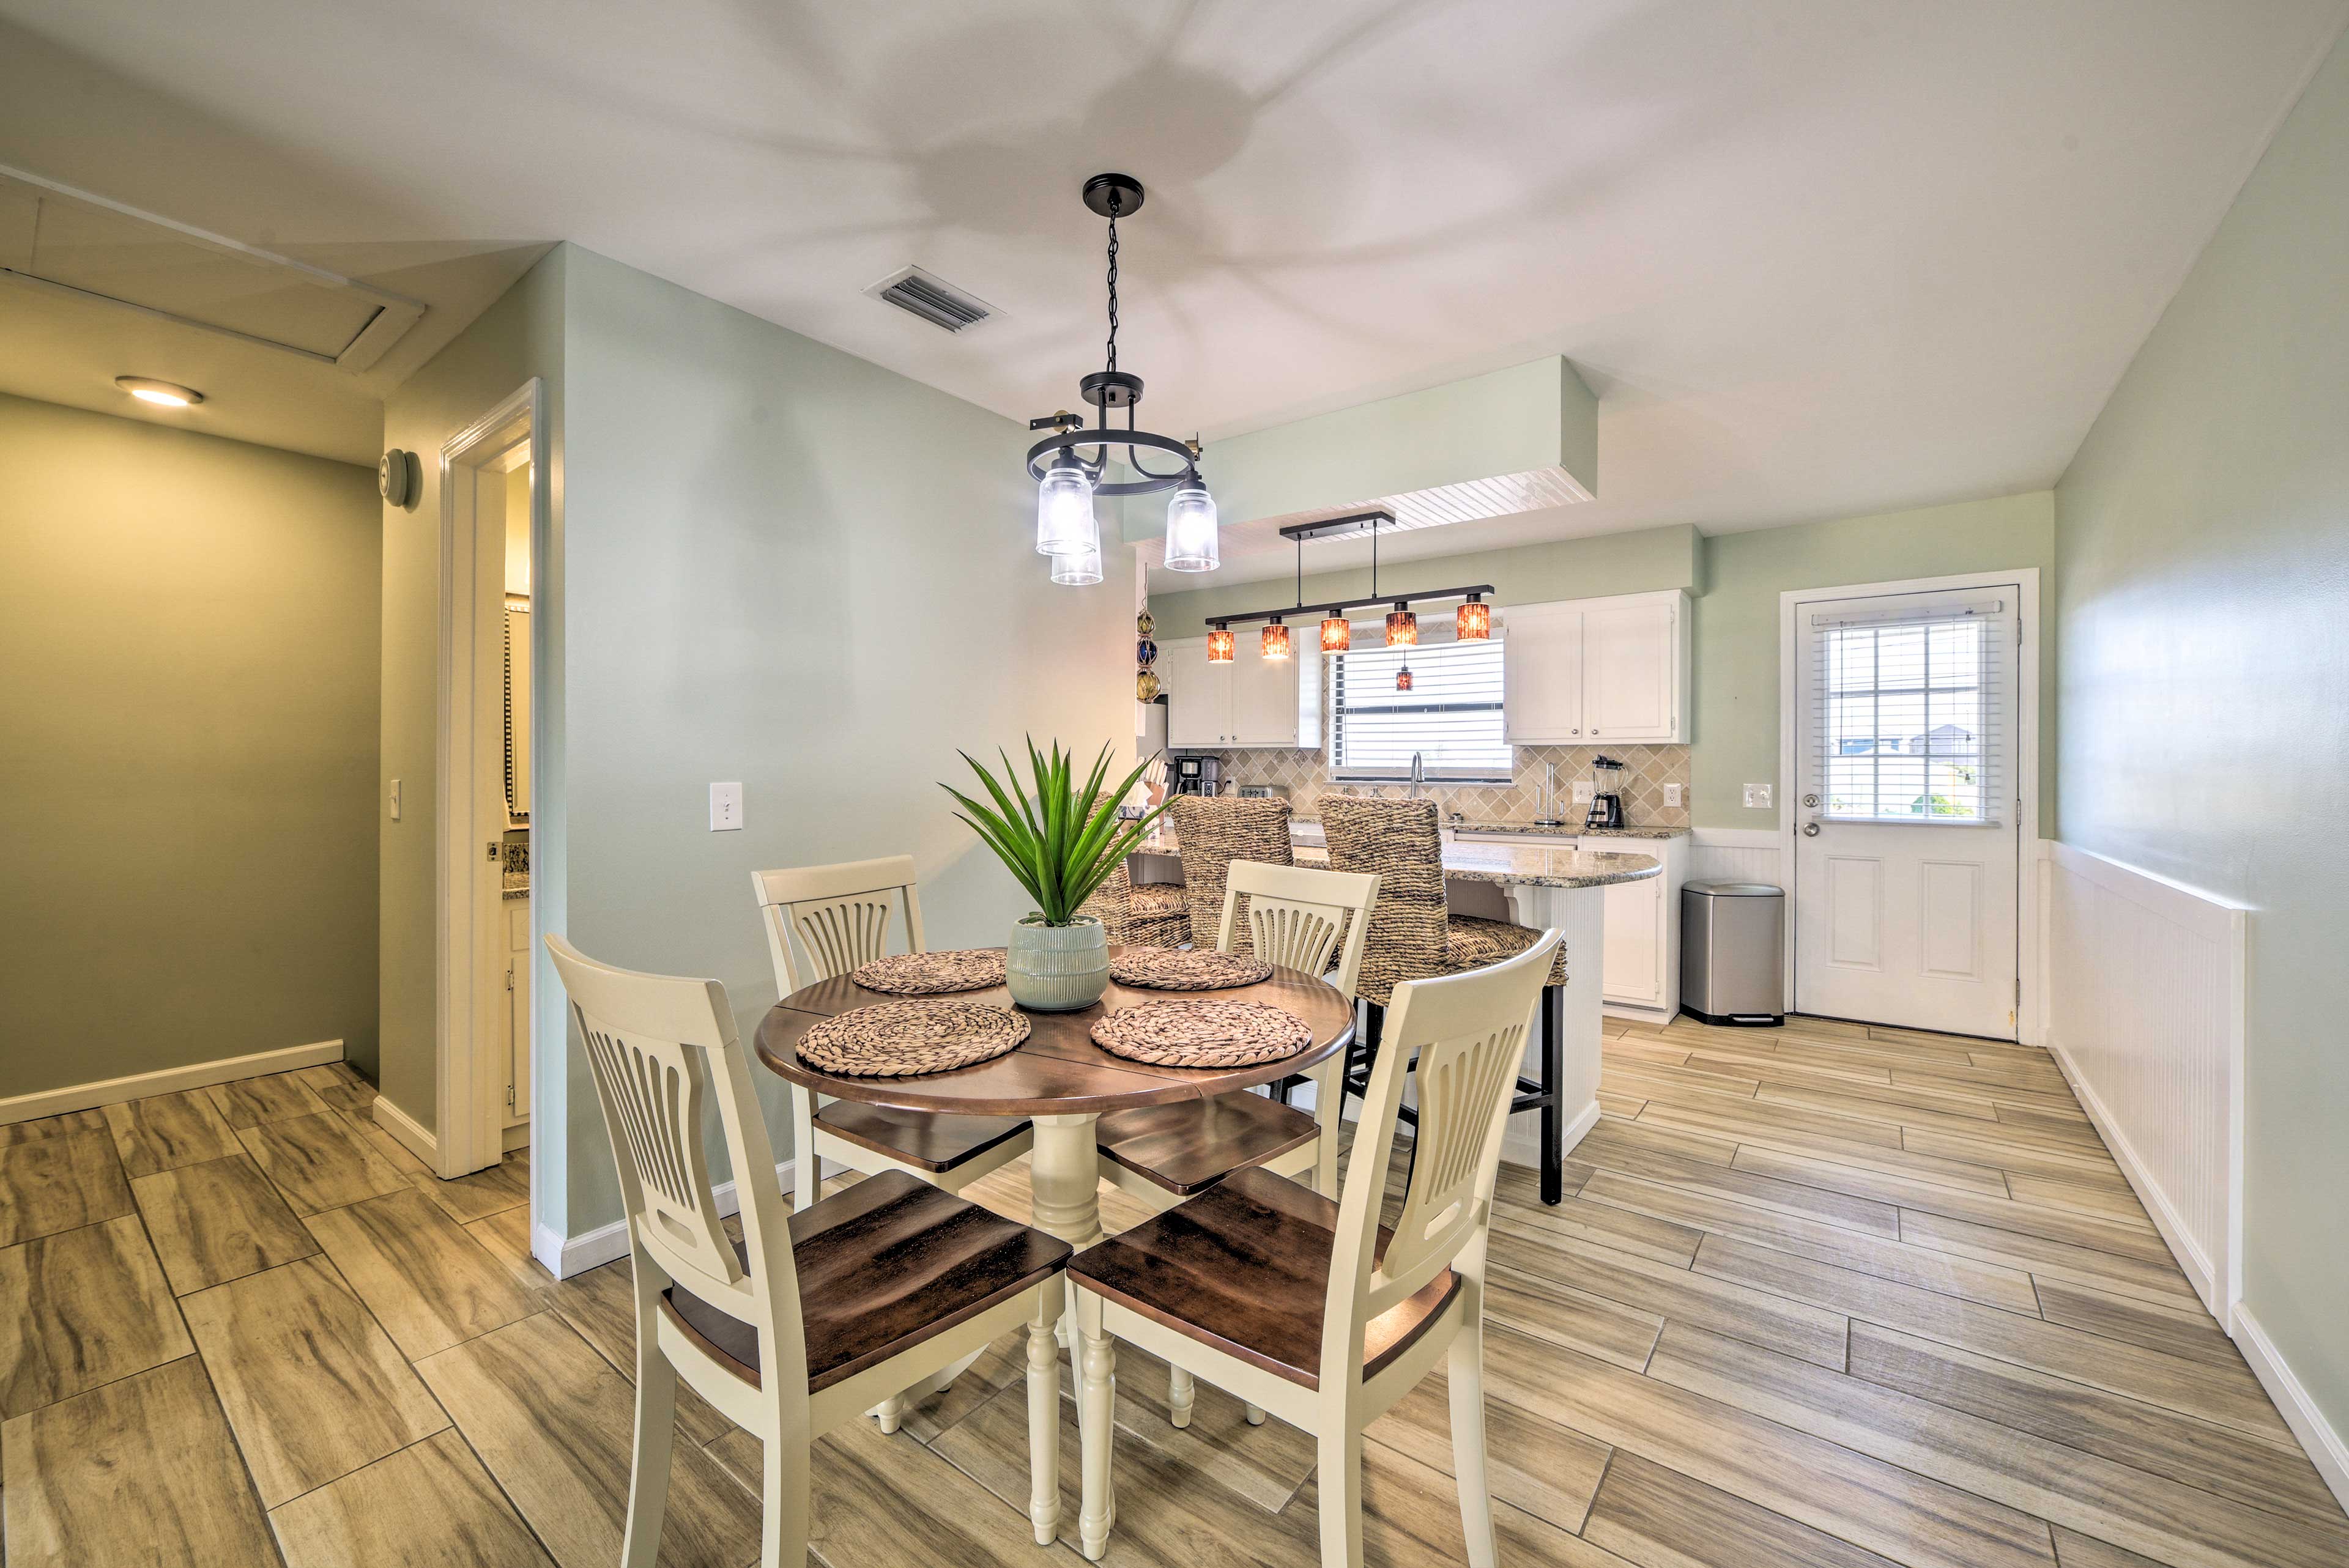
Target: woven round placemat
[898, 1039]
[1168, 969]
[1203, 1033]
[932, 974]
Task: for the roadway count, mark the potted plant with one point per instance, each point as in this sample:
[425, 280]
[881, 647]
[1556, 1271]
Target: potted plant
[1062, 842]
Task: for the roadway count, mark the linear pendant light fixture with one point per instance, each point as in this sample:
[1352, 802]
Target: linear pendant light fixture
[1068, 478]
[1473, 621]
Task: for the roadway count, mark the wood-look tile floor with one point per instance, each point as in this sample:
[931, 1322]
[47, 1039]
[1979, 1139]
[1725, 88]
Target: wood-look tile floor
[1818, 1295]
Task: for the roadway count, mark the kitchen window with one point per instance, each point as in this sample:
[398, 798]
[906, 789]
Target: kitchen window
[1451, 716]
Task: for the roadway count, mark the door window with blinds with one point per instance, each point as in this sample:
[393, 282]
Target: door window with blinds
[1907, 709]
[1451, 716]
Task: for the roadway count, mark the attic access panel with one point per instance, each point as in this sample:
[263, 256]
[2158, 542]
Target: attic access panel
[53, 236]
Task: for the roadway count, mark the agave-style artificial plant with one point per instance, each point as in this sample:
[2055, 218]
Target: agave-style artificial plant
[1065, 840]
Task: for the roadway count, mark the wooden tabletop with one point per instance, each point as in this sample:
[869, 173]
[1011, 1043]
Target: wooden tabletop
[1057, 1069]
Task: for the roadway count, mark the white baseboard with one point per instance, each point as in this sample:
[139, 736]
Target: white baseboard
[407, 1131]
[166, 1081]
[2191, 1257]
[568, 1256]
[2325, 1449]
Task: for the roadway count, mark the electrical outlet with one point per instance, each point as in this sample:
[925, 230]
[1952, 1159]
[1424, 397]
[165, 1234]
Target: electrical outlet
[1758, 796]
[1672, 794]
[725, 808]
[394, 800]
[1584, 790]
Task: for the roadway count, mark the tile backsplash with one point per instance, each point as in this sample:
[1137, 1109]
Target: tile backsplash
[1646, 770]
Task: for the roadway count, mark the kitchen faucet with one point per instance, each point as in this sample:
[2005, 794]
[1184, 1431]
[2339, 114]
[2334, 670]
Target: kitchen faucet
[1418, 772]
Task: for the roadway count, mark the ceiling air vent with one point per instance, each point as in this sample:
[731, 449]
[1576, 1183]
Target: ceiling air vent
[933, 299]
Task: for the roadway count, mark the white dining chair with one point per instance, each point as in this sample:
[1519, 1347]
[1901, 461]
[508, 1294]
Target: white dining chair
[1311, 1309]
[822, 921]
[813, 1314]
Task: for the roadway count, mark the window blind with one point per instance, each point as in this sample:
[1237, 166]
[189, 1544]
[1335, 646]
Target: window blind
[1907, 710]
[1451, 714]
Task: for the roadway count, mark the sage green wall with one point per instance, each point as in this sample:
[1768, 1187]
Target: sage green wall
[2203, 540]
[188, 636]
[519, 337]
[1737, 579]
[786, 566]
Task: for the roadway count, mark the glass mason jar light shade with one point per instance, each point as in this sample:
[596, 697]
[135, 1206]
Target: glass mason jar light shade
[1191, 544]
[1078, 570]
[1402, 628]
[1219, 645]
[1474, 623]
[1337, 634]
[1403, 678]
[1276, 640]
[1064, 514]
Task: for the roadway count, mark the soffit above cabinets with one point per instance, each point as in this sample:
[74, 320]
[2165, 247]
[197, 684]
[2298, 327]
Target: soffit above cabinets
[54, 237]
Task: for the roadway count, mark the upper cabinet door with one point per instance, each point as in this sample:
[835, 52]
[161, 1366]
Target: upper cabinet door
[1198, 695]
[1541, 675]
[1630, 669]
[1263, 698]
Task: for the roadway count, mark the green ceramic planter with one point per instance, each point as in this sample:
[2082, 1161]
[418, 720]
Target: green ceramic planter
[1057, 968]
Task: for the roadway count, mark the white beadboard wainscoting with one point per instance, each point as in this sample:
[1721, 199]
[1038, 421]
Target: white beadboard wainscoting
[2146, 1014]
[1736, 854]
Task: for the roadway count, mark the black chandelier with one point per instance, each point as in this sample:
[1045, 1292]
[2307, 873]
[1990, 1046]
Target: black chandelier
[1068, 476]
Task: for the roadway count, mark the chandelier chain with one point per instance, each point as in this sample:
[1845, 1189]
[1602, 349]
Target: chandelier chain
[1113, 280]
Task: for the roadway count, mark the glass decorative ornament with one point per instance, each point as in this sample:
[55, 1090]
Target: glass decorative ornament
[1064, 514]
[1403, 627]
[1145, 686]
[1276, 639]
[1143, 625]
[1474, 621]
[1219, 645]
[1145, 651]
[1078, 570]
[1191, 543]
[1337, 634]
[1403, 678]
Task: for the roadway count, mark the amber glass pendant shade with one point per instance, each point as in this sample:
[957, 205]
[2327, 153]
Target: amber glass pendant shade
[1276, 640]
[1402, 628]
[1474, 623]
[1337, 634]
[1219, 645]
[1403, 678]
[1145, 686]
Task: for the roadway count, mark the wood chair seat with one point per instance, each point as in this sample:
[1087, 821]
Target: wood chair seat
[928, 1140]
[881, 1266]
[1189, 1146]
[1245, 1268]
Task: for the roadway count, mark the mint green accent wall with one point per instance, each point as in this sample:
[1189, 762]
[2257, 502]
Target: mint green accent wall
[188, 690]
[765, 579]
[1737, 579]
[2203, 540]
[519, 337]
[1736, 628]
[1538, 415]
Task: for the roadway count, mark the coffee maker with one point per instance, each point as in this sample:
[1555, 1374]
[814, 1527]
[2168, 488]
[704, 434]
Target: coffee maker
[1199, 775]
[1607, 800]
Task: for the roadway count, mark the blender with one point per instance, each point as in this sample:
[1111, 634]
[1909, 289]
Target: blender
[1606, 798]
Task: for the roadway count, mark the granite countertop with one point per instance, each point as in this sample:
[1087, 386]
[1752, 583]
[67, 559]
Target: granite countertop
[516, 886]
[1528, 865]
[1526, 830]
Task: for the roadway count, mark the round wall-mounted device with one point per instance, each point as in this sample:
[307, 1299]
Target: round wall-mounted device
[400, 476]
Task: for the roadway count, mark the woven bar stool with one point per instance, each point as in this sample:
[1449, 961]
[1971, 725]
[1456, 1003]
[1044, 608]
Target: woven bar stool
[1413, 936]
[1212, 831]
[1140, 914]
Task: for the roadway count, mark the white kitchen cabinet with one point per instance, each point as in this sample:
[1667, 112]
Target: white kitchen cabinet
[1639, 961]
[1252, 701]
[1588, 672]
[1635, 943]
[517, 911]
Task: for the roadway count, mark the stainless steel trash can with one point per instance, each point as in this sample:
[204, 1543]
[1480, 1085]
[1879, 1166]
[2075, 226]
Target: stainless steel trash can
[1733, 953]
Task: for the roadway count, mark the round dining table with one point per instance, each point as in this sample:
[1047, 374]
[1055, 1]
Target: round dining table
[1057, 1077]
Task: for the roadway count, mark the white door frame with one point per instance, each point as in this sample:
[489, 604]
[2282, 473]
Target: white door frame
[2027, 1020]
[468, 1103]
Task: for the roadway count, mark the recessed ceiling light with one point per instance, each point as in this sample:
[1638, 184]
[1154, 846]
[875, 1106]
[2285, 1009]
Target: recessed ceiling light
[171, 394]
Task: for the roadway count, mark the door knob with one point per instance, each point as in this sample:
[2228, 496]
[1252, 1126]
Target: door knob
[1810, 830]
[1811, 800]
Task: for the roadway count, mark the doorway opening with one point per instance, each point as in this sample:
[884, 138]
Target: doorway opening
[493, 532]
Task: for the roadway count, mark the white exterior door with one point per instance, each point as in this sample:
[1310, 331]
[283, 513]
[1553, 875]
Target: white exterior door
[1906, 809]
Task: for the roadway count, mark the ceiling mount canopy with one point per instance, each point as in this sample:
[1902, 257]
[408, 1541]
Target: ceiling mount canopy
[1070, 466]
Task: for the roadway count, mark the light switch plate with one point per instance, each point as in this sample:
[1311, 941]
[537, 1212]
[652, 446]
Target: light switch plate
[1672, 794]
[1758, 796]
[393, 800]
[725, 808]
[1584, 790]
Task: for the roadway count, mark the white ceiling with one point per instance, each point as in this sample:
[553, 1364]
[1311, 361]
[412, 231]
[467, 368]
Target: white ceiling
[1818, 257]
